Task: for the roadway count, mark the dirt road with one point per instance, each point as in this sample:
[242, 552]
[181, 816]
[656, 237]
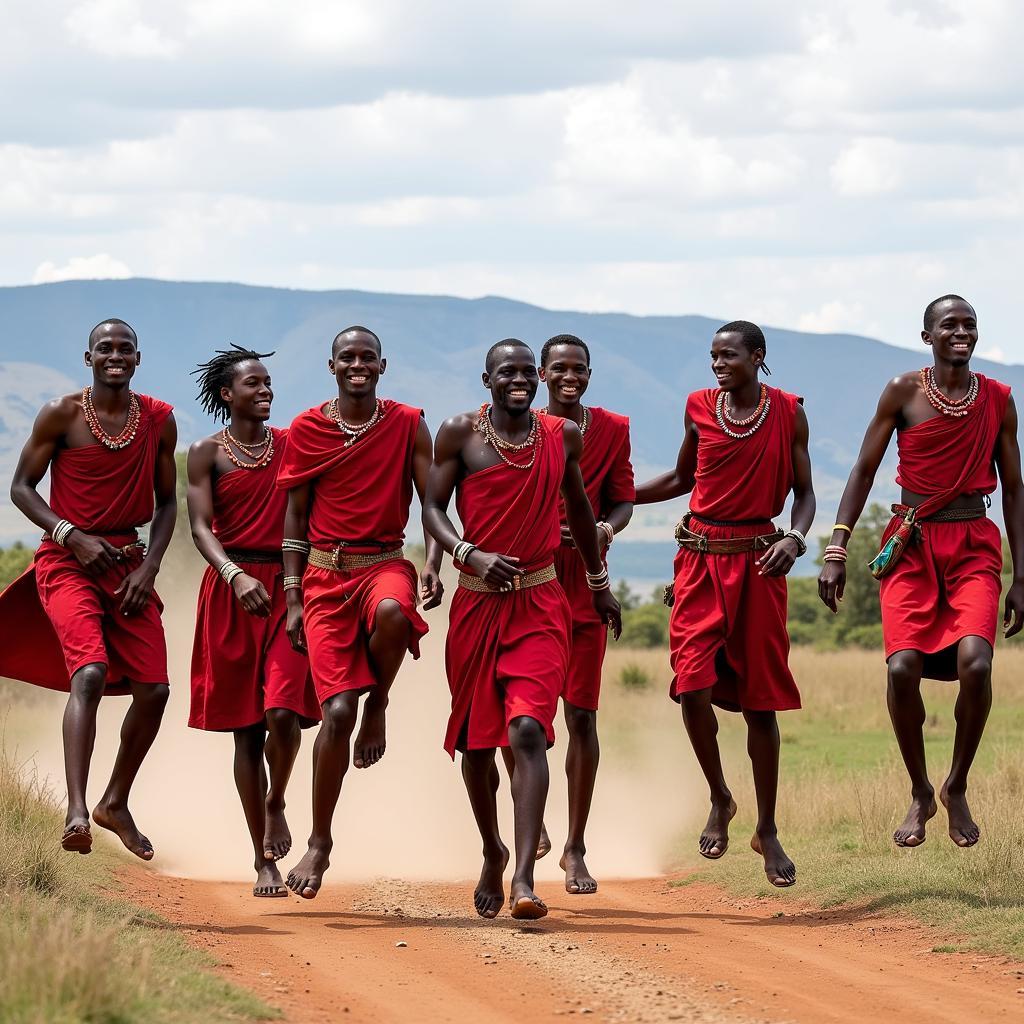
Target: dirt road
[643, 950]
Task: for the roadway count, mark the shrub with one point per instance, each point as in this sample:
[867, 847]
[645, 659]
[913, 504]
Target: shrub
[634, 677]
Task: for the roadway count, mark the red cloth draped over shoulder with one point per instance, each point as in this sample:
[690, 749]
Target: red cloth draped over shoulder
[605, 464]
[363, 491]
[249, 506]
[947, 456]
[506, 654]
[103, 492]
[742, 478]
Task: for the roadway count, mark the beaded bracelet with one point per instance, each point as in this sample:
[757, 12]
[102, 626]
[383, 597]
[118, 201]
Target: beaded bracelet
[292, 582]
[834, 553]
[463, 550]
[609, 532]
[801, 542]
[228, 571]
[61, 531]
[288, 544]
[843, 527]
[598, 580]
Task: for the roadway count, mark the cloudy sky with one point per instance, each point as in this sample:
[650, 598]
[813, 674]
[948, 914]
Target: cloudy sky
[813, 164]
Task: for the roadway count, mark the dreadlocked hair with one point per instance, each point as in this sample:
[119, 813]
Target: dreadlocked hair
[218, 373]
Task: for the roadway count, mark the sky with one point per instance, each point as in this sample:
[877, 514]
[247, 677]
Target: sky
[824, 166]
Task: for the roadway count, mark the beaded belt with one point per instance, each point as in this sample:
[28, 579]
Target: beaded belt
[253, 556]
[334, 559]
[944, 515]
[691, 541]
[531, 579]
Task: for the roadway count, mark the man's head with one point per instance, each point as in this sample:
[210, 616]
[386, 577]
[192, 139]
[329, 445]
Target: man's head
[565, 368]
[737, 353]
[235, 384]
[356, 362]
[951, 328]
[113, 353]
[511, 375]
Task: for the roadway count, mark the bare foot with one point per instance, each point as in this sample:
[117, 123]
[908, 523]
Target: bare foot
[578, 880]
[77, 836]
[307, 876]
[268, 881]
[489, 894]
[714, 840]
[544, 843]
[912, 831]
[962, 828]
[277, 838]
[118, 819]
[525, 903]
[371, 740]
[781, 871]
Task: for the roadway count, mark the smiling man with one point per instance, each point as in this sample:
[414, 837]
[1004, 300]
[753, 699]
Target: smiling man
[84, 618]
[941, 555]
[508, 638]
[350, 469]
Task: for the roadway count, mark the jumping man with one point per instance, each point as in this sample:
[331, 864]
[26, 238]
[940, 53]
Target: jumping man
[508, 638]
[941, 558]
[246, 676]
[84, 617]
[744, 450]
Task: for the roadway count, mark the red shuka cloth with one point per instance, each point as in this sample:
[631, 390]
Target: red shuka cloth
[608, 478]
[360, 493]
[242, 664]
[947, 585]
[728, 624]
[506, 654]
[57, 617]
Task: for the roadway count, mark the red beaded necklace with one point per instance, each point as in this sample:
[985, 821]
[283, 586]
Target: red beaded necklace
[128, 431]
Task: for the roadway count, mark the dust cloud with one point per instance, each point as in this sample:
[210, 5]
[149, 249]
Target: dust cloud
[405, 817]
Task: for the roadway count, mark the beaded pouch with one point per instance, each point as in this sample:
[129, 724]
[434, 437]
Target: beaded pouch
[894, 547]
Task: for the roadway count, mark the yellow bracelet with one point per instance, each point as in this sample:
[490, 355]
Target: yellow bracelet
[840, 526]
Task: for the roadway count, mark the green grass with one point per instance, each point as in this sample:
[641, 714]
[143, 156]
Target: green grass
[844, 790]
[71, 952]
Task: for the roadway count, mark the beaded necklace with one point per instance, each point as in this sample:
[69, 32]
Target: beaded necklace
[357, 430]
[584, 421]
[128, 431]
[500, 445]
[757, 417]
[260, 458]
[955, 407]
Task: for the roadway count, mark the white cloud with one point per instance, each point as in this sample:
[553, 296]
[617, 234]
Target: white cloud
[80, 268]
[115, 28]
[868, 167]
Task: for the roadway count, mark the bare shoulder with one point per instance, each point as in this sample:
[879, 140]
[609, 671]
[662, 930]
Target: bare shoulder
[573, 438]
[454, 433]
[900, 390]
[204, 450]
[57, 415]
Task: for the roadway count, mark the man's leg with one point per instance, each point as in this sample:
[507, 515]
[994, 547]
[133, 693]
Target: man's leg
[139, 729]
[284, 735]
[330, 762]
[763, 748]
[251, 783]
[480, 774]
[389, 641]
[906, 710]
[79, 729]
[581, 761]
[702, 728]
[544, 845]
[974, 667]
[529, 792]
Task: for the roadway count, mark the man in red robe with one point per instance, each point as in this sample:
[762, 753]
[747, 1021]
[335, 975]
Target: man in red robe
[508, 635]
[246, 676]
[349, 470]
[608, 479]
[955, 430]
[744, 450]
[84, 618]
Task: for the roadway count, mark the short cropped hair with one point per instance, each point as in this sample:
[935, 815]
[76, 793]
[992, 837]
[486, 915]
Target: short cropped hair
[563, 339]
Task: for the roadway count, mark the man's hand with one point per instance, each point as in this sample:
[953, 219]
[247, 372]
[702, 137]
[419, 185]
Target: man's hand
[496, 571]
[431, 588]
[94, 554]
[608, 608]
[779, 558]
[251, 594]
[293, 623]
[137, 588]
[832, 583]
[1013, 610]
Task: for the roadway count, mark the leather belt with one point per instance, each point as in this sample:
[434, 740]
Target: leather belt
[944, 515]
[339, 562]
[705, 545]
[254, 556]
[531, 579]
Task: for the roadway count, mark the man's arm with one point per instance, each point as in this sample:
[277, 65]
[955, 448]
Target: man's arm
[1008, 464]
[779, 558]
[251, 594]
[137, 586]
[678, 481]
[94, 554]
[431, 589]
[832, 579]
[583, 527]
[296, 527]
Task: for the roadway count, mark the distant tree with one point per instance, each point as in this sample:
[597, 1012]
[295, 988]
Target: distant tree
[13, 562]
[626, 596]
[645, 626]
